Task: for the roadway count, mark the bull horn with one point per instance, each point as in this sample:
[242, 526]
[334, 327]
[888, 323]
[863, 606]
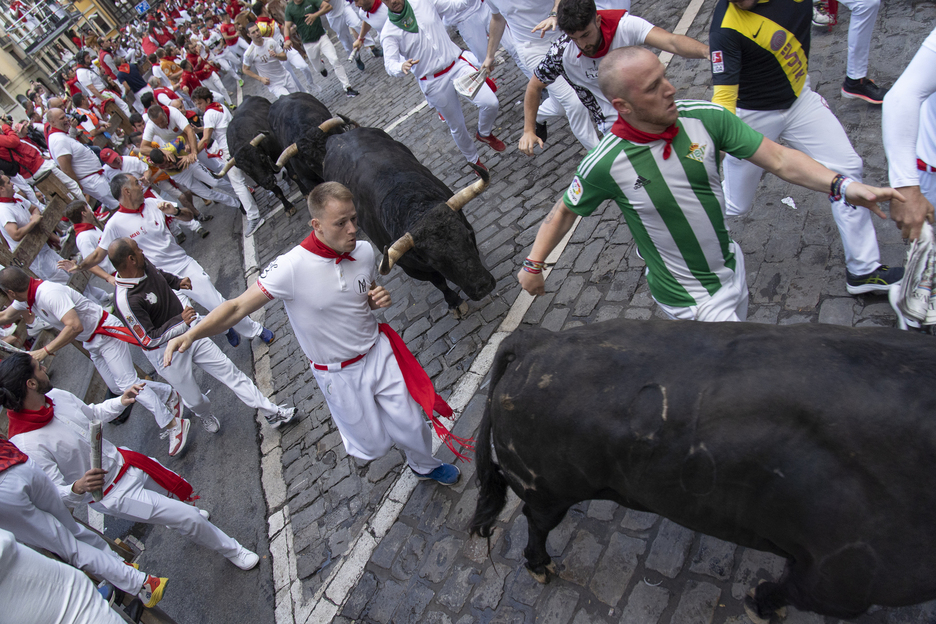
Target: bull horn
[288, 153]
[397, 249]
[330, 124]
[257, 140]
[462, 197]
[227, 167]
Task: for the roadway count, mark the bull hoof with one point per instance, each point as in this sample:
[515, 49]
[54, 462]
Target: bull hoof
[750, 608]
[549, 569]
[461, 311]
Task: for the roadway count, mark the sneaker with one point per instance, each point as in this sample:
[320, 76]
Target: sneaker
[124, 415]
[324, 72]
[863, 89]
[253, 225]
[175, 404]
[210, 423]
[496, 144]
[479, 164]
[267, 335]
[152, 591]
[283, 416]
[351, 92]
[233, 337]
[204, 514]
[245, 559]
[541, 131]
[446, 474]
[377, 52]
[202, 232]
[820, 17]
[879, 280]
[203, 218]
[180, 238]
[240, 83]
[359, 62]
[178, 436]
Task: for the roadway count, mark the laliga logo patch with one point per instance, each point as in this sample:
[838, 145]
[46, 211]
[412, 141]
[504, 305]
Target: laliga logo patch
[696, 152]
[575, 191]
[360, 284]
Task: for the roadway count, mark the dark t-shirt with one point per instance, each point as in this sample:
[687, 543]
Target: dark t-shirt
[296, 13]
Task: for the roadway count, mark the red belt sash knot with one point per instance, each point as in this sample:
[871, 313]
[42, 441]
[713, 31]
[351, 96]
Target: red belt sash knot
[119, 332]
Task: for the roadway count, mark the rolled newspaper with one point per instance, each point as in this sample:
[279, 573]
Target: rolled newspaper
[97, 495]
[469, 84]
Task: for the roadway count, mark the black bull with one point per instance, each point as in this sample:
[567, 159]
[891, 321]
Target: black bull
[250, 125]
[396, 196]
[814, 442]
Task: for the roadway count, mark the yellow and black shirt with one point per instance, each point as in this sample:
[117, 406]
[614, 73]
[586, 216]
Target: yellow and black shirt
[760, 57]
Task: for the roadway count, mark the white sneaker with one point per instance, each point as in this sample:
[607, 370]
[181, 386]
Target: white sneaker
[283, 416]
[252, 226]
[245, 559]
[178, 436]
[204, 514]
[210, 423]
[820, 17]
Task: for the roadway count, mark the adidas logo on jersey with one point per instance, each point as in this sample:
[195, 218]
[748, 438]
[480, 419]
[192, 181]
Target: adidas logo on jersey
[641, 182]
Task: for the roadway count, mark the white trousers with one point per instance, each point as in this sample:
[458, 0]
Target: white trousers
[373, 409]
[279, 88]
[207, 356]
[473, 31]
[206, 295]
[214, 83]
[562, 98]
[111, 357]
[441, 95]
[96, 186]
[32, 510]
[35, 589]
[239, 183]
[860, 28]
[810, 127]
[730, 303]
[197, 179]
[324, 47]
[298, 64]
[138, 498]
[26, 186]
[928, 186]
[137, 104]
[342, 25]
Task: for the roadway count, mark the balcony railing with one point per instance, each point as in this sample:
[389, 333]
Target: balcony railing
[40, 25]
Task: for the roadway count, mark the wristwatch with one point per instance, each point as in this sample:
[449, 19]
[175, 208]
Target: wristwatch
[552, 14]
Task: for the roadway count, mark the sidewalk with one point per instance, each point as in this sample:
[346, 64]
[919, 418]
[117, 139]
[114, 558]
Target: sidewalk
[354, 541]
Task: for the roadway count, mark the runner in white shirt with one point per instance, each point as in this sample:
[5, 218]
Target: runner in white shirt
[77, 160]
[218, 50]
[87, 237]
[144, 220]
[532, 25]
[136, 487]
[267, 57]
[425, 48]
[103, 335]
[270, 28]
[215, 120]
[91, 81]
[18, 217]
[189, 173]
[327, 286]
[372, 13]
[909, 125]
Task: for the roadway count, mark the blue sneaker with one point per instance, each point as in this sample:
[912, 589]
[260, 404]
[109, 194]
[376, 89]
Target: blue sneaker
[446, 474]
[267, 335]
[233, 337]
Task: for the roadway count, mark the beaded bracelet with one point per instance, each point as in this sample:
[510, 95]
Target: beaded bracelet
[534, 267]
[839, 186]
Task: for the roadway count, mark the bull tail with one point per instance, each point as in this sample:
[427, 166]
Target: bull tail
[492, 486]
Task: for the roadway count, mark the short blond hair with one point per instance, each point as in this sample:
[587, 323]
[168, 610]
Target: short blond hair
[325, 192]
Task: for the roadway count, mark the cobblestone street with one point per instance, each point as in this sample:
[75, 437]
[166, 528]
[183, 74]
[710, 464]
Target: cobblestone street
[363, 542]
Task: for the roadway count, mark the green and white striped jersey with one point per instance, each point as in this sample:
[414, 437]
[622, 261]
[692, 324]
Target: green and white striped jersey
[675, 208]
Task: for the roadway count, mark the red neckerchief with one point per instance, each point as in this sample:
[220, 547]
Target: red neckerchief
[31, 292]
[313, 244]
[215, 107]
[374, 8]
[170, 57]
[609, 24]
[125, 210]
[10, 455]
[264, 20]
[421, 389]
[9, 200]
[30, 420]
[629, 133]
[53, 130]
[83, 227]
